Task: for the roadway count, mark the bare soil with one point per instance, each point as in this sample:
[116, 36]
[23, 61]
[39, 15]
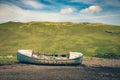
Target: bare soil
[90, 69]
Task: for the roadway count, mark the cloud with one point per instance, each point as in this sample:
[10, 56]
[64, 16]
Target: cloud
[11, 12]
[15, 13]
[97, 17]
[84, 1]
[91, 9]
[66, 10]
[113, 3]
[32, 3]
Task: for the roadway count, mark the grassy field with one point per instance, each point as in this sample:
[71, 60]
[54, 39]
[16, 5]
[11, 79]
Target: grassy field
[92, 39]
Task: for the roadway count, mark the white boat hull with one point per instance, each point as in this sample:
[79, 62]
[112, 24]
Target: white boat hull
[27, 57]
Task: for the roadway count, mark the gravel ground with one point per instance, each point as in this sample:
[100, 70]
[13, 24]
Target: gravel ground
[90, 69]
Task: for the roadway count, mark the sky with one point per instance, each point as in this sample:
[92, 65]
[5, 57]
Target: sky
[94, 11]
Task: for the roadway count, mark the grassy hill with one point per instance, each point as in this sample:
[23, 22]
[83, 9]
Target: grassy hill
[92, 39]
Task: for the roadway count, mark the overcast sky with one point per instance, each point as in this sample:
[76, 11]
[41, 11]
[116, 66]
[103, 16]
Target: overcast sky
[100, 11]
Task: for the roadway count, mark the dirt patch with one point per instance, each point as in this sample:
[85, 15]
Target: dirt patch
[100, 62]
[91, 69]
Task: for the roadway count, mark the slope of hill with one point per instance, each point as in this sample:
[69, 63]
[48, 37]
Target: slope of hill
[92, 39]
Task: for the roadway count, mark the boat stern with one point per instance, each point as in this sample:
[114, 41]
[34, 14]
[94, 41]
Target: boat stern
[24, 55]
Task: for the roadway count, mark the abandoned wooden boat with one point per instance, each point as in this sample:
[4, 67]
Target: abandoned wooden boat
[29, 56]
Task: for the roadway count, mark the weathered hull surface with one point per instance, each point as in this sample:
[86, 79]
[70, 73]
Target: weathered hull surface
[29, 59]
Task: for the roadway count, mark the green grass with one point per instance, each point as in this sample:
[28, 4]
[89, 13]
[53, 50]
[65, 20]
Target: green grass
[8, 60]
[60, 37]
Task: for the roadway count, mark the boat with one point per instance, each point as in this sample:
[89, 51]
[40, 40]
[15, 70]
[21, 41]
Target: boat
[29, 56]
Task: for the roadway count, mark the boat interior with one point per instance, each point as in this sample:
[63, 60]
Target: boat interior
[50, 56]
